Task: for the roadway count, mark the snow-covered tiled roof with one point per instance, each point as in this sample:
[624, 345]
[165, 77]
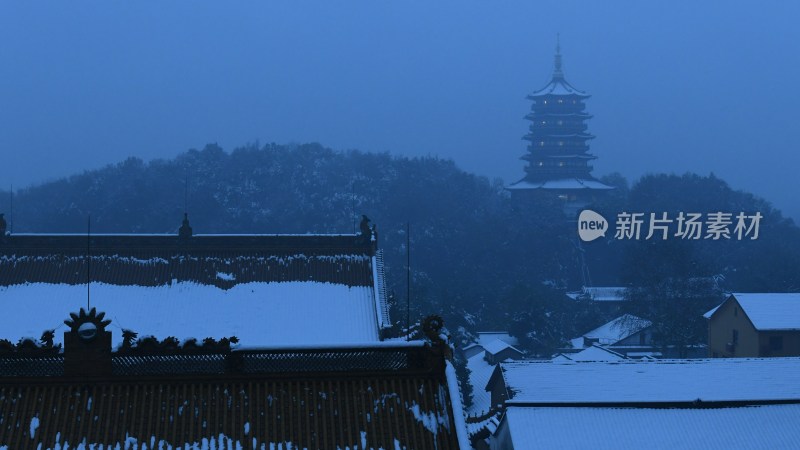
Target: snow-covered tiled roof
[752, 427]
[259, 314]
[566, 183]
[769, 311]
[614, 331]
[735, 379]
[480, 372]
[265, 289]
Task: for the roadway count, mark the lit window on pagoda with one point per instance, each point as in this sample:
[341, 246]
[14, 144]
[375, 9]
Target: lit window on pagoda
[545, 102]
[541, 144]
[561, 143]
[560, 101]
[541, 164]
[561, 122]
[561, 164]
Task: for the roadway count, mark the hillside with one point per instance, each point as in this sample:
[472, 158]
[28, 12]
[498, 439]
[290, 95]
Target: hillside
[478, 258]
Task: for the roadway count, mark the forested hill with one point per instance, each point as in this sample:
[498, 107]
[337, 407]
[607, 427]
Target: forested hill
[468, 240]
[478, 258]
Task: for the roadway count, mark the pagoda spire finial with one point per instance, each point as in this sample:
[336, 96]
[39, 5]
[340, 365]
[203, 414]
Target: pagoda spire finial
[558, 73]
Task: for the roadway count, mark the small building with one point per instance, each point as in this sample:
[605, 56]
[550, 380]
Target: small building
[485, 337]
[661, 404]
[755, 325]
[499, 351]
[625, 330]
[472, 350]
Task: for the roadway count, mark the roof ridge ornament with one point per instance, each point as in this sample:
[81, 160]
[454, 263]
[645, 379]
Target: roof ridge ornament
[558, 73]
[185, 231]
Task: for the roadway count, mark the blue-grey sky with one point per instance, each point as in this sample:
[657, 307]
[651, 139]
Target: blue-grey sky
[676, 86]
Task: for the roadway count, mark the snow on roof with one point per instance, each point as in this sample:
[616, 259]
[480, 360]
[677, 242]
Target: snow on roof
[596, 353]
[599, 294]
[485, 337]
[771, 311]
[614, 331]
[752, 427]
[735, 379]
[566, 183]
[498, 346]
[259, 314]
[480, 372]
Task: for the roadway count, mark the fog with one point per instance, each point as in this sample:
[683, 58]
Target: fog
[690, 86]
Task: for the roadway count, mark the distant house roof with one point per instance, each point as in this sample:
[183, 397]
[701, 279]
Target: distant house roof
[498, 346]
[768, 311]
[614, 331]
[599, 294]
[752, 427]
[264, 289]
[485, 337]
[596, 353]
[654, 381]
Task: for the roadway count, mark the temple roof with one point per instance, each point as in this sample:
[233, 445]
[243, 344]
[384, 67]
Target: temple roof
[544, 134]
[387, 396]
[558, 85]
[265, 289]
[564, 183]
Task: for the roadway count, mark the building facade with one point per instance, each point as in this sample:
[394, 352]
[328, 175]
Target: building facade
[755, 325]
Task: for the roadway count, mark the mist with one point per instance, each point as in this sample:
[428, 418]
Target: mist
[708, 87]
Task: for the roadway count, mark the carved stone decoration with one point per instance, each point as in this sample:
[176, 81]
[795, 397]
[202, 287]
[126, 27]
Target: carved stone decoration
[87, 346]
[432, 327]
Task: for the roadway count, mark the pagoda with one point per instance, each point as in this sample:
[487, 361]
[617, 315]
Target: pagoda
[558, 154]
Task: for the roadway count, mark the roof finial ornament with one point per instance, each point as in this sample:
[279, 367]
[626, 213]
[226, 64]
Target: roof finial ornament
[557, 73]
[185, 231]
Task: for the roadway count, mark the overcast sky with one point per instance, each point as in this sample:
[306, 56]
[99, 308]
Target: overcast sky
[676, 86]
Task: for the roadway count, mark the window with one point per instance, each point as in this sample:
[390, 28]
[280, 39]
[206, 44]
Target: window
[776, 343]
[541, 144]
[560, 101]
[735, 337]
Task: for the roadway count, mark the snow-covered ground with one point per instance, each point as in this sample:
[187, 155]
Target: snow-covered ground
[259, 314]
